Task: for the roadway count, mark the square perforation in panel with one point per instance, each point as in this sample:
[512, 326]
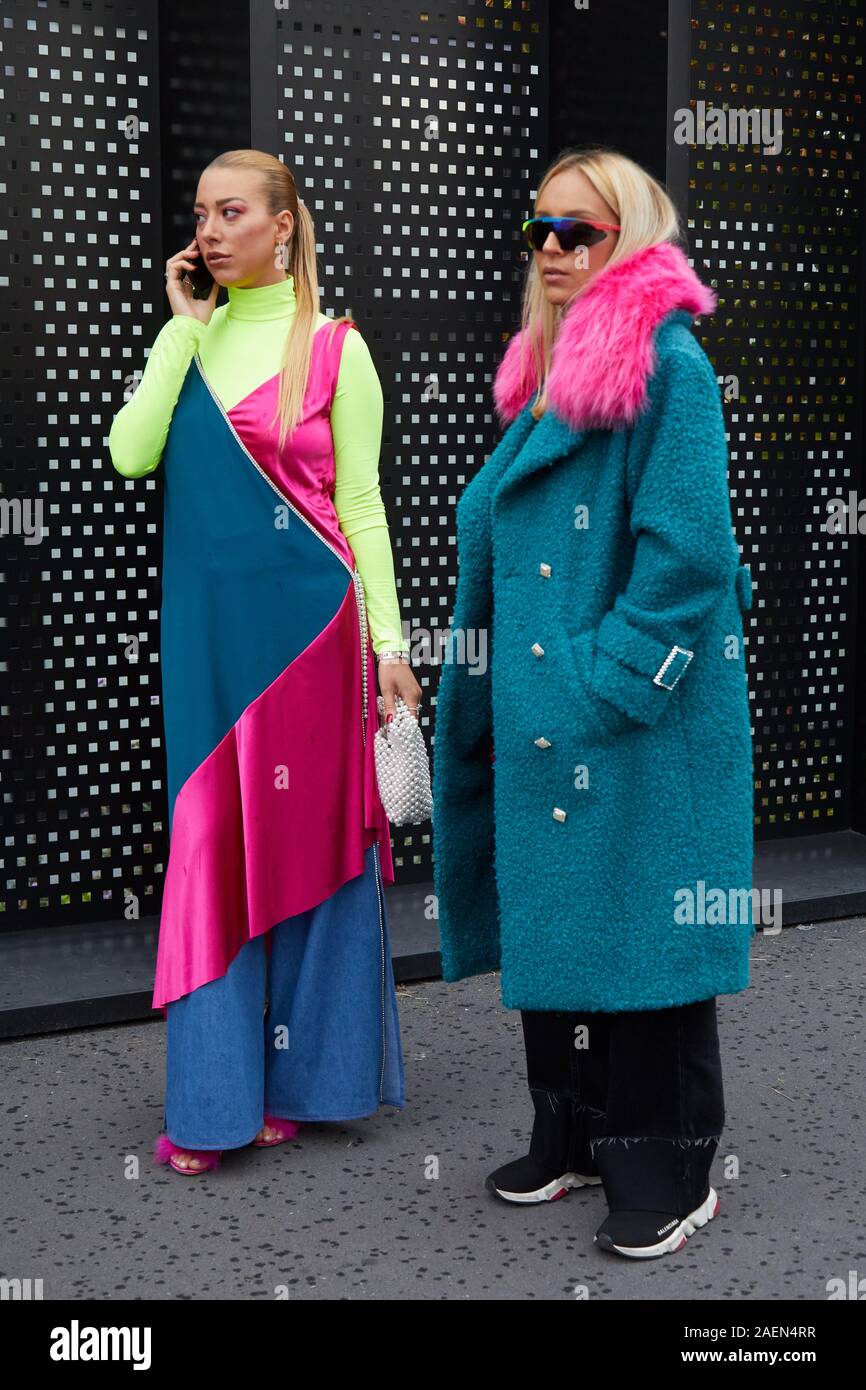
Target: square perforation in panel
[778, 234]
[82, 745]
[414, 136]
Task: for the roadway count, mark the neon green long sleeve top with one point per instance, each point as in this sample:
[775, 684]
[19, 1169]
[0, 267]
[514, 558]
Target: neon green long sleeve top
[240, 348]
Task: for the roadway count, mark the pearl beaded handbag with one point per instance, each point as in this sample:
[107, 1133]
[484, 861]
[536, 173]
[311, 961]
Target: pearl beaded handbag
[403, 767]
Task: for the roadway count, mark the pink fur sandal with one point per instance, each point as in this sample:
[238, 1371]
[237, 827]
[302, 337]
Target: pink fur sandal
[164, 1151]
[286, 1129]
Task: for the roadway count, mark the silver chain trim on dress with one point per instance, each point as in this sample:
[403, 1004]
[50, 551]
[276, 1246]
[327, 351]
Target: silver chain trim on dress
[362, 618]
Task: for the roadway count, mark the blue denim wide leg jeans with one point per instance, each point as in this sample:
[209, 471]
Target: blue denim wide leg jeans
[327, 1048]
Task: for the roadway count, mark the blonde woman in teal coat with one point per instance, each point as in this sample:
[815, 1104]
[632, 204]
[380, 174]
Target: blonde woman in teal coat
[593, 786]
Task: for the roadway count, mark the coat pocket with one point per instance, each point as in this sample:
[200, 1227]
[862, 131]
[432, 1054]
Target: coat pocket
[610, 721]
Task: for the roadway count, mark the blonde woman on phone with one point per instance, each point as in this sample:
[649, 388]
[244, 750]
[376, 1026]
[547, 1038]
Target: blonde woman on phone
[279, 602]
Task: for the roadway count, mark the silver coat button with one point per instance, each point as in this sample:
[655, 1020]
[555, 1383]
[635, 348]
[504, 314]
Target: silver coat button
[544, 569]
[538, 649]
[542, 742]
[558, 813]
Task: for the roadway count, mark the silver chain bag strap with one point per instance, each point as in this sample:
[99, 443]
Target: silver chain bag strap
[403, 767]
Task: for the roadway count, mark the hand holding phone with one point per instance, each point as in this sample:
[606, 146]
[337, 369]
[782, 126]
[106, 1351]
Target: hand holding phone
[190, 287]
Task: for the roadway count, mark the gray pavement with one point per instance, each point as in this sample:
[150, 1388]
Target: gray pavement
[348, 1211]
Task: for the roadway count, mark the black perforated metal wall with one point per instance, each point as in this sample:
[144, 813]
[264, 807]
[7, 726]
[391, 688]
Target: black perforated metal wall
[82, 781]
[779, 232]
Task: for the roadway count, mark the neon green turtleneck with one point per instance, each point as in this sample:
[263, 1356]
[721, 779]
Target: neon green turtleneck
[241, 347]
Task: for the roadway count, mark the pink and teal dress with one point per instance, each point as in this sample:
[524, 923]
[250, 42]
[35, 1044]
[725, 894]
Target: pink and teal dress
[269, 696]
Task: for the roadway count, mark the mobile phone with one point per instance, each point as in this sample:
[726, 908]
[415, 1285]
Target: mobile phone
[200, 279]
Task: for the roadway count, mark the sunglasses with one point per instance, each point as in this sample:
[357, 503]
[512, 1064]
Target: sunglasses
[570, 232]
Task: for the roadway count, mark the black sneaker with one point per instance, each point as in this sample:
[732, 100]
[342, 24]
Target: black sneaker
[525, 1180]
[645, 1234]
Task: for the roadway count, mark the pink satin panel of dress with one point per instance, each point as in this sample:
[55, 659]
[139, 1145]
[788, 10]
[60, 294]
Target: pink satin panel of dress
[224, 884]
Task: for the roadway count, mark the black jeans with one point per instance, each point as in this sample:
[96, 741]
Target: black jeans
[633, 1097]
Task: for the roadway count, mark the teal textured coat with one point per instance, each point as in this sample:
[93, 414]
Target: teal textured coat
[603, 859]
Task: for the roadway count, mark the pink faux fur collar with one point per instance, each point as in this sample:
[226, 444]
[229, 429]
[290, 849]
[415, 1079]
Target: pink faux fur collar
[603, 355]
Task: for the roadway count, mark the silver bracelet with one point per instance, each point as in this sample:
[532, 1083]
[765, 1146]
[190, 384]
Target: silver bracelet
[394, 656]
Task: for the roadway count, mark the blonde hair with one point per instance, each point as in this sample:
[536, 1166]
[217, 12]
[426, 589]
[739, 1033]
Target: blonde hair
[280, 192]
[646, 215]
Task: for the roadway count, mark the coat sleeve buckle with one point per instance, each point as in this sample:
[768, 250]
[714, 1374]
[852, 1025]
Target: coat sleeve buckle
[672, 654]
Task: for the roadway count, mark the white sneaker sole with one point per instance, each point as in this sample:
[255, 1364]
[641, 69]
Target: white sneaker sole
[677, 1237]
[552, 1191]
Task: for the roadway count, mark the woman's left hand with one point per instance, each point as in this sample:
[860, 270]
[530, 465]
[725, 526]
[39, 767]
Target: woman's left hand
[396, 678]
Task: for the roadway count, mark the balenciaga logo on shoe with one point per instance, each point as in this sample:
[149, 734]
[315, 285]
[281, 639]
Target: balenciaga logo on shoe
[665, 1228]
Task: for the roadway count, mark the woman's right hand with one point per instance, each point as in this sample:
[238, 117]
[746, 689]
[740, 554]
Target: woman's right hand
[180, 295]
